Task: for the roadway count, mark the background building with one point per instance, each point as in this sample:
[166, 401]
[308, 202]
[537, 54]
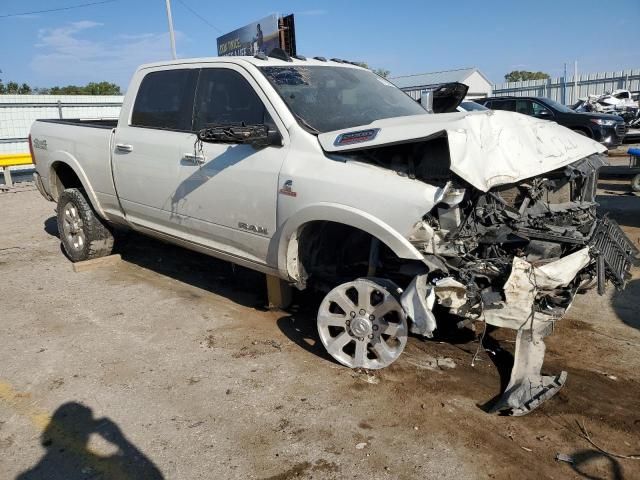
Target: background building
[479, 85]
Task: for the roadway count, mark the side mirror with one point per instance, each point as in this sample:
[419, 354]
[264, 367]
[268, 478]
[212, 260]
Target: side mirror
[256, 135]
[265, 138]
[544, 114]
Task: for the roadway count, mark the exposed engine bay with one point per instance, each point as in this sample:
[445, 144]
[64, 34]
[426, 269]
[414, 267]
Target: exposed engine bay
[513, 256]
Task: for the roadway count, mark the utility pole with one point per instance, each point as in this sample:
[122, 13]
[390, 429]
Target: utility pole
[172, 37]
[564, 85]
[575, 80]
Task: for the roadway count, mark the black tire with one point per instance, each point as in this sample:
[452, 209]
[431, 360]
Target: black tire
[581, 132]
[83, 234]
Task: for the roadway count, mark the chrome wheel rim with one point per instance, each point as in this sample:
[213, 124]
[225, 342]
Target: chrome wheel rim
[362, 325]
[73, 227]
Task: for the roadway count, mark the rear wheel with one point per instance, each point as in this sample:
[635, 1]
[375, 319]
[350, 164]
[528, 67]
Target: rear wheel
[83, 234]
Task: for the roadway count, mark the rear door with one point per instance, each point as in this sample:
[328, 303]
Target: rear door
[147, 166]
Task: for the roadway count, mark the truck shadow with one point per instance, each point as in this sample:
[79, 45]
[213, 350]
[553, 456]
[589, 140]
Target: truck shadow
[626, 304]
[624, 209]
[240, 285]
[299, 325]
[68, 455]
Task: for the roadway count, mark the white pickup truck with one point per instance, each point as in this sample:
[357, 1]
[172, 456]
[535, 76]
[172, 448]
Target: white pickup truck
[323, 174]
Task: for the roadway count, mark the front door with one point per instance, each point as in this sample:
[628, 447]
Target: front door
[231, 193]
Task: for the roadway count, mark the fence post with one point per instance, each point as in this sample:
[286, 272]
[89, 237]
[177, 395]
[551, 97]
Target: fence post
[59, 109]
[8, 182]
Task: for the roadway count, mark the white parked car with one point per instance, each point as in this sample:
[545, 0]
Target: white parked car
[325, 175]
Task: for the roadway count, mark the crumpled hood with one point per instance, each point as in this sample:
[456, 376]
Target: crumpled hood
[487, 148]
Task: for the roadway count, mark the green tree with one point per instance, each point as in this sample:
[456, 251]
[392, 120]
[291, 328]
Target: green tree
[384, 73]
[24, 89]
[12, 88]
[102, 88]
[522, 75]
[92, 88]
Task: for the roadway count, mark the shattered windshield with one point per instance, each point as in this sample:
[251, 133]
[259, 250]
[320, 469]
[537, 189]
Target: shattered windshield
[333, 98]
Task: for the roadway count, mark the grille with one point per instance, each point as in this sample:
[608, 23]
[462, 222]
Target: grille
[621, 129]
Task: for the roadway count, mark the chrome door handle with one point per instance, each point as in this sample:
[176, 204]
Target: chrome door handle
[121, 147]
[195, 159]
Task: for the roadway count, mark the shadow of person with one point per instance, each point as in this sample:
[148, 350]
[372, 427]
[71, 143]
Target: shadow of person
[68, 456]
[583, 458]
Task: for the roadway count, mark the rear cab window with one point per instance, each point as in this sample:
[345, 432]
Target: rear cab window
[509, 105]
[165, 100]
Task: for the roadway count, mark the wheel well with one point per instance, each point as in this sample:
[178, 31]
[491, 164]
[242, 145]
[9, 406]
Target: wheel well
[329, 253]
[64, 177]
[585, 130]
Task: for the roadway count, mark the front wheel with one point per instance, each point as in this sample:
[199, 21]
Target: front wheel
[83, 234]
[362, 325]
[635, 183]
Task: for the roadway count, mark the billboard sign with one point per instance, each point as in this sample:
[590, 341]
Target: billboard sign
[261, 36]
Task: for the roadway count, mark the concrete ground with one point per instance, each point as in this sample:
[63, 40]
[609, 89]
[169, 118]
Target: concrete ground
[167, 366]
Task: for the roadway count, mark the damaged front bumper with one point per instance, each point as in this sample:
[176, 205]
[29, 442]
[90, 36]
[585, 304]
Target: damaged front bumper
[547, 252]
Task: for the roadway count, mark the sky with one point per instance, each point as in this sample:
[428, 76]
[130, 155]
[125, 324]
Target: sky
[108, 41]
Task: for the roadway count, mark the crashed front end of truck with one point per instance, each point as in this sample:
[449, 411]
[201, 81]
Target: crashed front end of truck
[509, 242]
[515, 257]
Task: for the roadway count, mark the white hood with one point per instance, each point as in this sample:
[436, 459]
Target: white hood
[487, 148]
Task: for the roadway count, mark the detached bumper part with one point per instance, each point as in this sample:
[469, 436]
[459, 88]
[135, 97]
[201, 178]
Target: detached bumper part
[417, 302]
[527, 388]
[614, 253]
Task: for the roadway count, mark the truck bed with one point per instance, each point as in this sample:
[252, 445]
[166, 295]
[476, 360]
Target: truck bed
[81, 122]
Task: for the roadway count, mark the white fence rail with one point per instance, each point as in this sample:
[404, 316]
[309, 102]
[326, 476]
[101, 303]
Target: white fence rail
[565, 92]
[17, 113]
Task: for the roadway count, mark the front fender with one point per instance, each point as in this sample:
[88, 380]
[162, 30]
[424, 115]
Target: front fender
[337, 213]
[70, 161]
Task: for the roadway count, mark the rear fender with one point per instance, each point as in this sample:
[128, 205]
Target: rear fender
[70, 161]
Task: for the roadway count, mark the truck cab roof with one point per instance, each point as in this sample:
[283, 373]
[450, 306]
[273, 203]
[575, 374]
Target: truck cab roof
[258, 62]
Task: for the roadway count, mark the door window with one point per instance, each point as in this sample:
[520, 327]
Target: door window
[524, 107]
[165, 100]
[225, 97]
[540, 110]
[509, 105]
